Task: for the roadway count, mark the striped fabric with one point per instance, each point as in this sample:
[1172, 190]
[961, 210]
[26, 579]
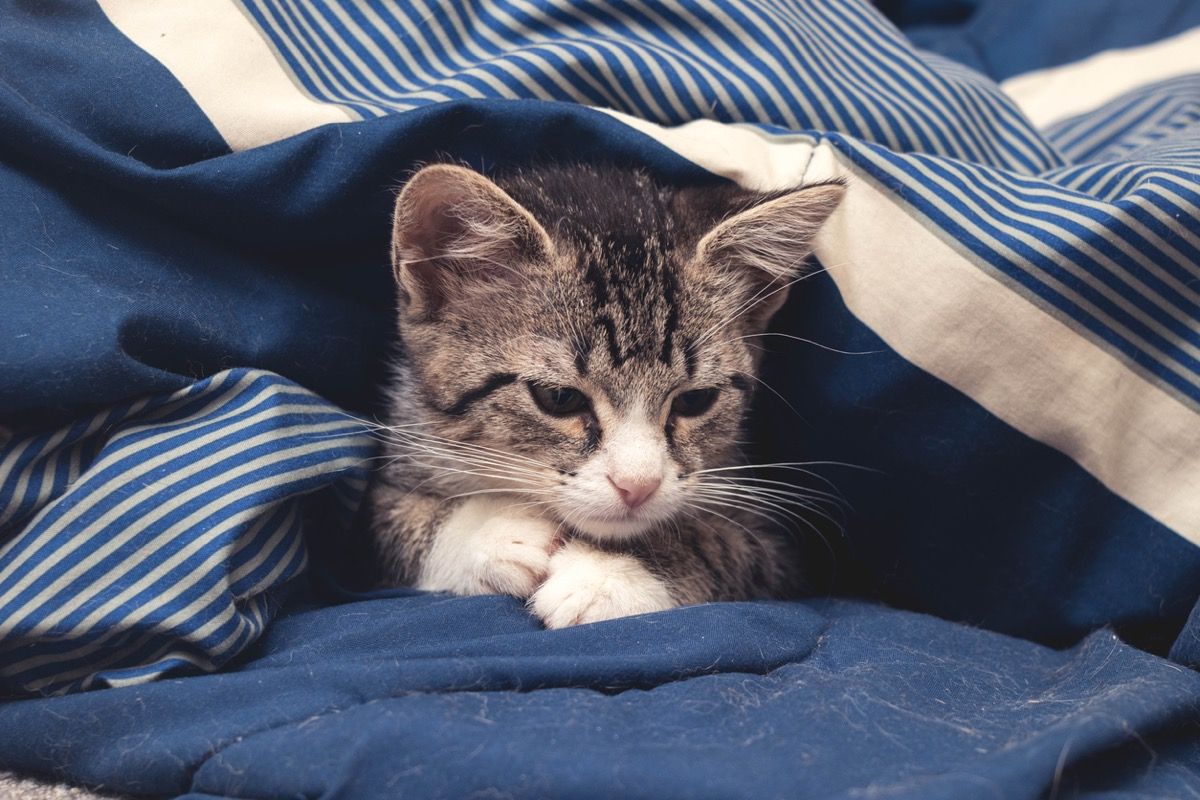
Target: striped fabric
[1092, 244]
[793, 65]
[1117, 269]
[156, 534]
[1123, 128]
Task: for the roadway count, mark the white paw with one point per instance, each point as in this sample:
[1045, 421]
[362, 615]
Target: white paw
[487, 547]
[589, 585]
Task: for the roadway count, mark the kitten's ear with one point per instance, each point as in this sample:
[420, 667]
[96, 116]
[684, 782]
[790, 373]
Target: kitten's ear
[765, 246]
[455, 231]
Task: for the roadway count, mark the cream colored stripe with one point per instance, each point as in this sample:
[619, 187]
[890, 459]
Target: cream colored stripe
[949, 316]
[1050, 95]
[228, 67]
[741, 153]
[1024, 365]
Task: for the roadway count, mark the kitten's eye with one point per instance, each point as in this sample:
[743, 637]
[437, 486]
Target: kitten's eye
[558, 401]
[693, 403]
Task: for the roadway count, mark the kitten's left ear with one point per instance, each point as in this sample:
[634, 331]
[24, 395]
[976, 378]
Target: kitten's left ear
[455, 233]
[765, 246]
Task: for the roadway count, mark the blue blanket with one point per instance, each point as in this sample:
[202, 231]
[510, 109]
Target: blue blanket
[196, 307]
[421, 696]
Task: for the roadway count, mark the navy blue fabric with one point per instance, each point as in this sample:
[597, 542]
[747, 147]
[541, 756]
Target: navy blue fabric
[914, 14]
[159, 125]
[424, 696]
[1003, 38]
[983, 521]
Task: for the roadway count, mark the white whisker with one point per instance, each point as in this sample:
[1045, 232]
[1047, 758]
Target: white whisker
[806, 341]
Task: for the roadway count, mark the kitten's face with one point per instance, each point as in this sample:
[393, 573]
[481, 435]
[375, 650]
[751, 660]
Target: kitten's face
[581, 339]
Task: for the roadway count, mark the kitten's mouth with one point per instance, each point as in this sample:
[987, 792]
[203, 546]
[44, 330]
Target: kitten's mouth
[630, 524]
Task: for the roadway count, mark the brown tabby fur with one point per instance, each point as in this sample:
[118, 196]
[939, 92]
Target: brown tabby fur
[604, 280]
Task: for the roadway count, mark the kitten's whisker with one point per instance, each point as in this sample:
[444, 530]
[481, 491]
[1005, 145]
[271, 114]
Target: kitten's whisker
[764, 550]
[709, 510]
[824, 540]
[470, 458]
[477, 446]
[807, 505]
[533, 504]
[817, 503]
[807, 341]
[740, 503]
[451, 453]
[375, 426]
[767, 494]
[742, 480]
[468, 254]
[784, 506]
[500, 491]
[771, 388]
[743, 308]
[783, 465]
[480, 473]
[790, 467]
[426, 441]
[453, 461]
[736, 498]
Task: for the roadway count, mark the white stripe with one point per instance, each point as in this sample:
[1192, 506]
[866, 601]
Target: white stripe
[169, 650]
[285, 527]
[204, 571]
[45, 457]
[968, 213]
[1051, 95]
[671, 53]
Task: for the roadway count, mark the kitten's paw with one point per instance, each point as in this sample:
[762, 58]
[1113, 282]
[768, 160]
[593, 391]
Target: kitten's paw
[485, 547]
[589, 585]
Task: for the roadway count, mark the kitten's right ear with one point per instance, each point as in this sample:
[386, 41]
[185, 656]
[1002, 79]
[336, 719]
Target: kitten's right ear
[764, 247]
[455, 232]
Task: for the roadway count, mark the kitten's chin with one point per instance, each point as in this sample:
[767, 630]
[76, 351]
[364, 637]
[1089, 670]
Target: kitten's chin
[612, 529]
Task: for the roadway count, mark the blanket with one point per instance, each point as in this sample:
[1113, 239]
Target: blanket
[1004, 331]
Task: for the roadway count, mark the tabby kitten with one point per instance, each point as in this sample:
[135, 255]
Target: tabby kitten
[574, 380]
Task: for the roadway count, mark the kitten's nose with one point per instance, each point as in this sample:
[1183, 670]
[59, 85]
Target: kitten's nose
[635, 491]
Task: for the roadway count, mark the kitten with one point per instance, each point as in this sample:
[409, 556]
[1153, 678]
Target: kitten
[575, 377]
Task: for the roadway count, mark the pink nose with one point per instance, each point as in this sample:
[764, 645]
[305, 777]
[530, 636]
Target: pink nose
[635, 491]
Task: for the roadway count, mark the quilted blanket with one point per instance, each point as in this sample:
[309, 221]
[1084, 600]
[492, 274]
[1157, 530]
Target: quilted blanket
[997, 365]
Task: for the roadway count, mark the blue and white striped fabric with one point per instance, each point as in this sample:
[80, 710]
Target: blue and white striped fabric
[796, 66]
[1010, 302]
[834, 67]
[155, 535]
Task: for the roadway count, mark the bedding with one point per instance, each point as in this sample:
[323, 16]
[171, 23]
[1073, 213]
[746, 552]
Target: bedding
[997, 364]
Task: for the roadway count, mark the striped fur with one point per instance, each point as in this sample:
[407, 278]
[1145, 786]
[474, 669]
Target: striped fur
[630, 294]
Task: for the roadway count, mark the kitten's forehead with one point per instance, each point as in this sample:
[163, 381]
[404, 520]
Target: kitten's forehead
[633, 321]
[632, 291]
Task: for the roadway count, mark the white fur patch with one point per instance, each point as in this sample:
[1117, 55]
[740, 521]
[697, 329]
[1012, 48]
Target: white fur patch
[487, 547]
[634, 449]
[589, 585]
